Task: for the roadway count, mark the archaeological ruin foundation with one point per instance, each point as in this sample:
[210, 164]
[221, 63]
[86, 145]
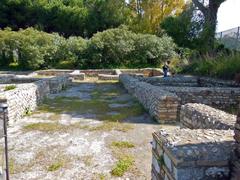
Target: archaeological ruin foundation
[205, 144]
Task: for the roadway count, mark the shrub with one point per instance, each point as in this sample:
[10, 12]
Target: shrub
[32, 49]
[10, 87]
[110, 48]
[123, 48]
[151, 50]
[225, 67]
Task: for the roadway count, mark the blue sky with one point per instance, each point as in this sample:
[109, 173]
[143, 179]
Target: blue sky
[229, 15]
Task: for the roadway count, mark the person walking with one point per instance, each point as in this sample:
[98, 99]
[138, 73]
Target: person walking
[165, 69]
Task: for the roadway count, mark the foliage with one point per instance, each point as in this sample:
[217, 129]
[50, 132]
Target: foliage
[225, 67]
[148, 14]
[10, 87]
[32, 49]
[67, 17]
[123, 48]
[122, 144]
[185, 29]
[122, 166]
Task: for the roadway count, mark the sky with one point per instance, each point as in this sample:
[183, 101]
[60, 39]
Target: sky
[228, 15]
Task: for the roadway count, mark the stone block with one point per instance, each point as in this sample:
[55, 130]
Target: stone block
[200, 116]
[190, 154]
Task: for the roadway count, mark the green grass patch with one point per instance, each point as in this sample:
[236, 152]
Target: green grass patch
[55, 166]
[44, 127]
[123, 165]
[53, 127]
[122, 144]
[108, 126]
[96, 106]
[10, 87]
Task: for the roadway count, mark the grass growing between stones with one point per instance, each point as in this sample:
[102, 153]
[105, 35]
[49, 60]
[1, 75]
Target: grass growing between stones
[55, 166]
[10, 87]
[56, 127]
[123, 165]
[88, 159]
[44, 127]
[108, 126]
[95, 106]
[125, 160]
[122, 144]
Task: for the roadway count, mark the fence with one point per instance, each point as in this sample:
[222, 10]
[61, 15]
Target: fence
[230, 38]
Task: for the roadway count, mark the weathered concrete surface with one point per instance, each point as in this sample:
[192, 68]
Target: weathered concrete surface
[86, 153]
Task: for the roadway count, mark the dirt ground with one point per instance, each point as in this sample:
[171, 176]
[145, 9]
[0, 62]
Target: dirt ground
[92, 130]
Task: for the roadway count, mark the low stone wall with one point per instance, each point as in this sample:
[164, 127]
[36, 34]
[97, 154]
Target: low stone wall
[184, 154]
[236, 157]
[6, 78]
[147, 72]
[53, 72]
[95, 72]
[221, 98]
[190, 81]
[211, 82]
[161, 105]
[108, 77]
[57, 84]
[26, 97]
[200, 116]
[77, 76]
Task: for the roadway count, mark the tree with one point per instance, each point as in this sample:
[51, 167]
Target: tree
[150, 13]
[209, 10]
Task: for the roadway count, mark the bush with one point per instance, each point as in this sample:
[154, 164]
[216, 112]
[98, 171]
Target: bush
[113, 48]
[122, 48]
[110, 48]
[151, 50]
[10, 87]
[225, 67]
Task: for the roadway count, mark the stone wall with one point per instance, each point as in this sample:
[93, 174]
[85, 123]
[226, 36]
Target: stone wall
[6, 78]
[211, 82]
[108, 77]
[222, 98]
[200, 116]
[26, 97]
[53, 72]
[185, 154]
[190, 81]
[161, 104]
[236, 157]
[181, 81]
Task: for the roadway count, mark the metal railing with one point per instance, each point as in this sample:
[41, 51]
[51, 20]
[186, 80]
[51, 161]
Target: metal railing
[230, 38]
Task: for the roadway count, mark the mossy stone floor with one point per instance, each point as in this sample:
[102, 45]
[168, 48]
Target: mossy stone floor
[93, 130]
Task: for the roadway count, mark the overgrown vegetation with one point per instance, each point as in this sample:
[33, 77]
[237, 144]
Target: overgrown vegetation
[122, 144]
[108, 49]
[225, 67]
[10, 87]
[55, 166]
[123, 164]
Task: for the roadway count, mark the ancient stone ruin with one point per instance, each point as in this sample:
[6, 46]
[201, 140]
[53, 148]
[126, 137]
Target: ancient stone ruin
[206, 143]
